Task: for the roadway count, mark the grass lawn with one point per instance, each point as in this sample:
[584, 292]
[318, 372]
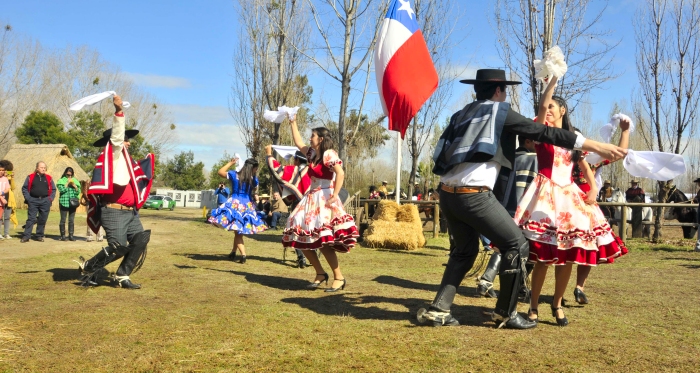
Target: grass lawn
[198, 311]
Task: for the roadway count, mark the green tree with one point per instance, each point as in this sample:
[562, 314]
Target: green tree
[86, 128]
[214, 178]
[182, 173]
[42, 127]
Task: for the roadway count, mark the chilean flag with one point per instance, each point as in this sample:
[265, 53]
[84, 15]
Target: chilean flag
[406, 76]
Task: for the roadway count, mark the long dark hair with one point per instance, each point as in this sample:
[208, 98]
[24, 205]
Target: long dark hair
[566, 124]
[326, 143]
[66, 171]
[246, 175]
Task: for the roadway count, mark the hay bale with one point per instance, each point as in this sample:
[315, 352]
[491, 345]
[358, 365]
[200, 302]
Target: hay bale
[393, 235]
[386, 211]
[408, 213]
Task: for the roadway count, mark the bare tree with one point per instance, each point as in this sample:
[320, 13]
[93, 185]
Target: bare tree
[527, 28]
[348, 31]
[438, 37]
[268, 72]
[668, 65]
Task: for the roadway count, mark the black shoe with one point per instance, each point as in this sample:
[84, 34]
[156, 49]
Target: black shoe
[561, 322]
[127, 284]
[438, 318]
[333, 290]
[534, 312]
[242, 259]
[580, 296]
[40, 239]
[232, 255]
[24, 240]
[314, 285]
[514, 322]
[301, 263]
[63, 238]
[71, 238]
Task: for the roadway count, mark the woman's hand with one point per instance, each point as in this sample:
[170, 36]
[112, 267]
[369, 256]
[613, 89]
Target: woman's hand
[591, 197]
[624, 124]
[332, 200]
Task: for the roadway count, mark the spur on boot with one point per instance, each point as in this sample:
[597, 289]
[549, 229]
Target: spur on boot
[437, 317]
[341, 287]
[561, 322]
[580, 296]
[314, 285]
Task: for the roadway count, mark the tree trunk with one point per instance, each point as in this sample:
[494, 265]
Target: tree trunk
[414, 158]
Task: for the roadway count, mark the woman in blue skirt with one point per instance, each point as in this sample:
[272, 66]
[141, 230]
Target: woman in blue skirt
[238, 213]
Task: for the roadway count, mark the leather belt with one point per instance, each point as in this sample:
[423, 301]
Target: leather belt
[464, 189]
[117, 206]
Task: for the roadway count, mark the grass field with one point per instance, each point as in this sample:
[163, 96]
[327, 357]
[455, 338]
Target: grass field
[198, 311]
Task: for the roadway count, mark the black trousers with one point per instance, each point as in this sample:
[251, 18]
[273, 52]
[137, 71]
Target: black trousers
[37, 213]
[70, 212]
[469, 216]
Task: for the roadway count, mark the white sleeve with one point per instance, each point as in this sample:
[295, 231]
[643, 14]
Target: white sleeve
[578, 145]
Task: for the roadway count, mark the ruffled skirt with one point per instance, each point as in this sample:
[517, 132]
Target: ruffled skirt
[238, 215]
[312, 225]
[563, 229]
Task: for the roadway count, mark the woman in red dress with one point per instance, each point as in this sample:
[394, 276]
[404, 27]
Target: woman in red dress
[319, 221]
[562, 224]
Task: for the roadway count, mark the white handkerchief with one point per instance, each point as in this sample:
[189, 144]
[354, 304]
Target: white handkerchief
[552, 64]
[239, 163]
[281, 114]
[606, 132]
[285, 152]
[654, 165]
[599, 177]
[594, 158]
[93, 99]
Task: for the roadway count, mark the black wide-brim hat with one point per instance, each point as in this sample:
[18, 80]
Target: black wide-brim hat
[301, 156]
[490, 76]
[697, 180]
[108, 133]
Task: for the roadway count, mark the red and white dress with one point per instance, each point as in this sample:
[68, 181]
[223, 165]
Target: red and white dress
[312, 224]
[560, 226]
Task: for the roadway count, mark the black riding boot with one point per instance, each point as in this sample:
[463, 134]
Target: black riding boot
[62, 229]
[133, 259]
[512, 274]
[439, 310]
[485, 286]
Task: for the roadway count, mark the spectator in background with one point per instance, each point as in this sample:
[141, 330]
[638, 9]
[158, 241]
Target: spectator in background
[39, 192]
[9, 213]
[4, 197]
[606, 192]
[635, 193]
[264, 204]
[68, 201]
[222, 194]
[277, 208]
[382, 189]
[373, 192]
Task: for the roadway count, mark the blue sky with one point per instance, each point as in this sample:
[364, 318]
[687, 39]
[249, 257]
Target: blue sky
[181, 51]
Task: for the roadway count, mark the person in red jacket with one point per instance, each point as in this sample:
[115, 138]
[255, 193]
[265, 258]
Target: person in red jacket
[39, 192]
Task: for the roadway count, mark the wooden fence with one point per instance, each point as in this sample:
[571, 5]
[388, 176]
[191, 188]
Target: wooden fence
[623, 214]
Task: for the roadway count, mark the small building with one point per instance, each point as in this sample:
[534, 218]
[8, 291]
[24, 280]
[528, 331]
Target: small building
[183, 198]
[56, 156]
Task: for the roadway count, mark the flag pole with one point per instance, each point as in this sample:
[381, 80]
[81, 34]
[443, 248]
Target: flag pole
[398, 167]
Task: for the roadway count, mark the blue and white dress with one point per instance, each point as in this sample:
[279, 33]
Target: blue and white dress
[238, 213]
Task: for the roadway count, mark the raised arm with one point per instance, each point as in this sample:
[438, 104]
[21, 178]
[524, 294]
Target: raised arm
[223, 171]
[625, 135]
[297, 137]
[544, 99]
[118, 125]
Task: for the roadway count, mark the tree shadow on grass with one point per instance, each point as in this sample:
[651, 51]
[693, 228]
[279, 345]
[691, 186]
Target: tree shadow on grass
[369, 308]
[279, 283]
[26, 272]
[466, 291]
[209, 257]
[184, 266]
[276, 238]
[683, 259]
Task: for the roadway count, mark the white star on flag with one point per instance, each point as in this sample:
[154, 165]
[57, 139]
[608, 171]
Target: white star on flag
[406, 5]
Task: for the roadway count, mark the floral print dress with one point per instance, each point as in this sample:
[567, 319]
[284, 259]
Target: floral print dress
[312, 224]
[552, 213]
[238, 213]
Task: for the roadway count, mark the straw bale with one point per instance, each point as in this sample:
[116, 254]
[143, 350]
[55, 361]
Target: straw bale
[393, 235]
[386, 211]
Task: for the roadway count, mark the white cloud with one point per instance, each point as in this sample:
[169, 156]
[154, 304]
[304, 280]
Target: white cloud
[200, 114]
[159, 81]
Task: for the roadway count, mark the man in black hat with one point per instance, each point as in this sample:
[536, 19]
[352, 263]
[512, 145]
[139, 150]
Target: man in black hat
[119, 187]
[635, 193]
[477, 146]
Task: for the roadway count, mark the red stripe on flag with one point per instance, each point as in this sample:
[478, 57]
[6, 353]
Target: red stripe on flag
[409, 80]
